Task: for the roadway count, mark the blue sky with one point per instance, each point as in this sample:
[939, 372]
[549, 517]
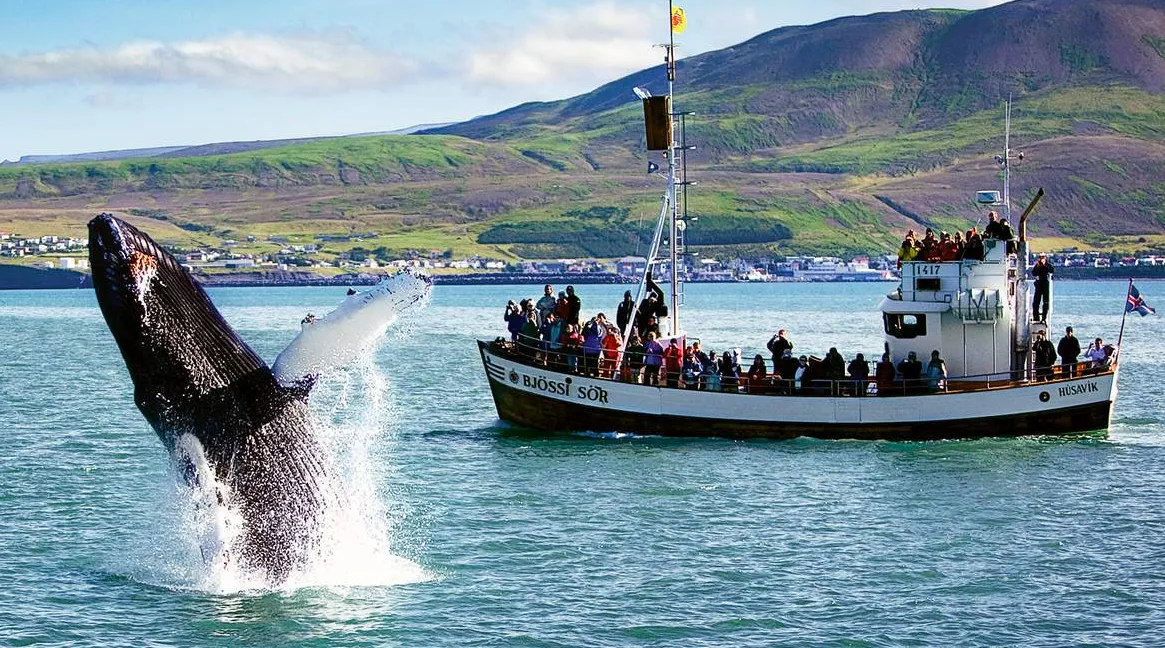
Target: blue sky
[90, 75]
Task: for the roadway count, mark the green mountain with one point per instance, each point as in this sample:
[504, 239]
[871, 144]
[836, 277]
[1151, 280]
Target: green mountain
[833, 137]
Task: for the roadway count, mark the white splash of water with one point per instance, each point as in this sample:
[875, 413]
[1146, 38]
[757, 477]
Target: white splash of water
[357, 536]
[356, 532]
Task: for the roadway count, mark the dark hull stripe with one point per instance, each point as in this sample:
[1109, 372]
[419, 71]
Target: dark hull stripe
[543, 413]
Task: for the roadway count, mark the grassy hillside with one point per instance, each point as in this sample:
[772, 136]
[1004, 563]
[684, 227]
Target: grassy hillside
[830, 138]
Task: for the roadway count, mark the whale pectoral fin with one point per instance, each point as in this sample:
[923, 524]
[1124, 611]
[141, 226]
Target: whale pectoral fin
[350, 330]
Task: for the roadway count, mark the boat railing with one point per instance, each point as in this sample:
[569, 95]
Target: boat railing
[605, 365]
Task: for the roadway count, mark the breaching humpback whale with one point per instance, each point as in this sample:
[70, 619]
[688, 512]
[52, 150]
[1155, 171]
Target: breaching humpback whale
[195, 378]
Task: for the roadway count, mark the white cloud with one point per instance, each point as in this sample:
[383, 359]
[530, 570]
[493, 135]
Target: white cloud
[312, 64]
[592, 42]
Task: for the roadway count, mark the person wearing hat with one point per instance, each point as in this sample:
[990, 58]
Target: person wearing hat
[1069, 350]
[1042, 271]
[1045, 356]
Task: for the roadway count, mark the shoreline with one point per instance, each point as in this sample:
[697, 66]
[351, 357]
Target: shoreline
[13, 277]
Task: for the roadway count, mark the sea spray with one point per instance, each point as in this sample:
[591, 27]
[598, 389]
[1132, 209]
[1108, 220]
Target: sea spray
[197, 526]
[356, 547]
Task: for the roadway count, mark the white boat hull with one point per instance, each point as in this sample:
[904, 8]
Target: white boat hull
[535, 397]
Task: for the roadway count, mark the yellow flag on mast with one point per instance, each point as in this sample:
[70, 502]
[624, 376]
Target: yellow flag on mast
[679, 20]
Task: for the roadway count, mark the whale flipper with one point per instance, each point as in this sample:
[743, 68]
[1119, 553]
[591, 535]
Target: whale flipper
[350, 330]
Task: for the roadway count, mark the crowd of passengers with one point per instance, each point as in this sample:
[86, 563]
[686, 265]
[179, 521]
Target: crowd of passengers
[549, 332]
[934, 247]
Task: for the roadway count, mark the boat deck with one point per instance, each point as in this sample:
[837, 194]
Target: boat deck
[605, 370]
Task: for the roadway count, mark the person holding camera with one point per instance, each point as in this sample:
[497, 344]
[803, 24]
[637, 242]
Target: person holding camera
[514, 320]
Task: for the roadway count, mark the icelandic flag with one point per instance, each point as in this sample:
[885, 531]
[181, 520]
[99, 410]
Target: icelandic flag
[1136, 303]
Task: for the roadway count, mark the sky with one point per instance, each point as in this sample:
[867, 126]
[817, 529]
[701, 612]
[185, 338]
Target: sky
[94, 75]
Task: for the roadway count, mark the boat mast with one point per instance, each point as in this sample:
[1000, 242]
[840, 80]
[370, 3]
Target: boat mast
[1007, 163]
[673, 238]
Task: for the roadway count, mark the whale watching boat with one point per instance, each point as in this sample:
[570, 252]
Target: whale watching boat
[975, 312]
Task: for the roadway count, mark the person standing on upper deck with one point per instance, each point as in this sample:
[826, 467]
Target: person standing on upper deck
[1042, 271]
[992, 231]
[908, 252]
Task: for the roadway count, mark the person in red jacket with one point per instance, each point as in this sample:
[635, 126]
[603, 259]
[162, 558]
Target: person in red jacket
[673, 361]
[611, 343]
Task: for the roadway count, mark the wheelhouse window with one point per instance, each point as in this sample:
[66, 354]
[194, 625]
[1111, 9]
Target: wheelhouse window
[927, 283]
[905, 326]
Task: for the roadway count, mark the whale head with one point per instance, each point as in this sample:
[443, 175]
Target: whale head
[176, 345]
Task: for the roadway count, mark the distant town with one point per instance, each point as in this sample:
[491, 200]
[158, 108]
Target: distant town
[64, 253]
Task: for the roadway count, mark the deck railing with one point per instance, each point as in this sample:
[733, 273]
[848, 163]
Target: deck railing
[605, 365]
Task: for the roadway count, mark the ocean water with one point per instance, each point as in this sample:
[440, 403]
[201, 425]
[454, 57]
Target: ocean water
[472, 533]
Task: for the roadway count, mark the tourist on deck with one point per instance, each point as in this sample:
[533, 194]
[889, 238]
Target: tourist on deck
[1044, 355]
[947, 249]
[710, 376]
[690, 371]
[1097, 354]
[1006, 234]
[673, 362]
[552, 340]
[698, 354]
[652, 309]
[928, 249]
[991, 230]
[788, 372]
[1042, 271]
[908, 252]
[592, 335]
[575, 306]
[528, 310]
[562, 307]
[910, 372]
[651, 326]
[546, 303]
[973, 246]
[625, 312]
[960, 246]
[635, 351]
[1069, 351]
[884, 375]
[778, 345]
[729, 372]
[652, 360]
[936, 372]
[758, 376]
[572, 347]
[515, 319]
[833, 369]
[859, 371]
[611, 343]
[529, 340]
[799, 377]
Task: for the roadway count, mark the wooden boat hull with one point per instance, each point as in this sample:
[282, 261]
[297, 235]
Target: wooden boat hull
[533, 397]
